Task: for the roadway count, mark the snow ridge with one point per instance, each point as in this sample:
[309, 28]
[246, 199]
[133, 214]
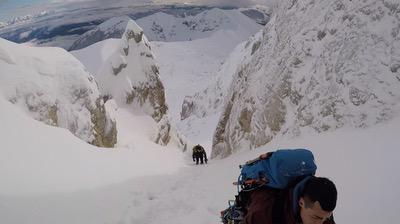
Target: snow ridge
[112, 28]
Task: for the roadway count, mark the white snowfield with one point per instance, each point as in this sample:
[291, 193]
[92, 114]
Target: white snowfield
[143, 184]
[40, 159]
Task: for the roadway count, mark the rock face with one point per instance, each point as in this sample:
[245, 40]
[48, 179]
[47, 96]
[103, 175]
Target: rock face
[318, 66]
[53, 87]
[211, 100]
[130, 76]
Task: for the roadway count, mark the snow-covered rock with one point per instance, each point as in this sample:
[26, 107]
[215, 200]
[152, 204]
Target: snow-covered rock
[112, 28]
[55, 88]
[319, 66]
[128, 73]
[211, 100]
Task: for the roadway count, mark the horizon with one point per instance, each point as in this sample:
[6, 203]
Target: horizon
[16, 8]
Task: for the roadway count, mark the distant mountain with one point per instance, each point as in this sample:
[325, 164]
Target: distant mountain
[128, 73]
[318, 66]
[112, 28]
[62, 28]
[166, 27]
[52, 86]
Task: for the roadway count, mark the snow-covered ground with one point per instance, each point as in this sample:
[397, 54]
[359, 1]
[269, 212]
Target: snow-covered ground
[47, 175]
[40, 159]
[56, 178]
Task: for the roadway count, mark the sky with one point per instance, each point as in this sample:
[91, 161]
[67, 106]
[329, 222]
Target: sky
[10, 8]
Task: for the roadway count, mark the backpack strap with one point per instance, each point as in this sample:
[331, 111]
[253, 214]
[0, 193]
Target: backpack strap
[278, 209]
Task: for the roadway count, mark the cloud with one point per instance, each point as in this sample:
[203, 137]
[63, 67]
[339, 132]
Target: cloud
[234, 3]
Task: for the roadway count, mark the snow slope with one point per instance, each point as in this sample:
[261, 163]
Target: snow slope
[360, 162]
[40, 159]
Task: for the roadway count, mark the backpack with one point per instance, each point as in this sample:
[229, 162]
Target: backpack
[276, 170]
[198, 149]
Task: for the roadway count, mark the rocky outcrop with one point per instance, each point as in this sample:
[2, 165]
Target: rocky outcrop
[319, 66]
[56, 90]
[131, 77]
[105, 129]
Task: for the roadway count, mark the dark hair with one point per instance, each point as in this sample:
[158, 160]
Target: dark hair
[323, 190]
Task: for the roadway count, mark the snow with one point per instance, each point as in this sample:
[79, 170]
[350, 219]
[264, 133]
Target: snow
[190, 66]
[314, 73]
[210, 99]
[161, 26]
[110, 55]
[24, 34]
[186, 67]
[130, 186]
[40, 159]
[50, 176]
[201, 69]
[96, 54]
[37, 82]
[165, 27]
[114, 23]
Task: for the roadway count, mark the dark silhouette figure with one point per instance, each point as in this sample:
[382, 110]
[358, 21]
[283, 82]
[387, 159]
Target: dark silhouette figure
[199, 154]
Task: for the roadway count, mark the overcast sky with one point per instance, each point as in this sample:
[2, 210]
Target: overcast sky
[238, 3]
[11, 8]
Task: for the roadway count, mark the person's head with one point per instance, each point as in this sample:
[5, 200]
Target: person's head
[318, 200]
